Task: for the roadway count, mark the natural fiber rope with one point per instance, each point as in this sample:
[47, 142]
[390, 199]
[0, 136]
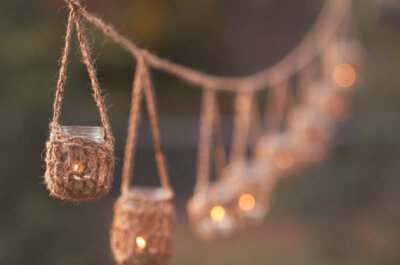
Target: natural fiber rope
[152, 110]
[318, 36]
[143, 84]
[280, 98]
[205, 140]
[134, 118]
[242, 125]
[74, 18]
[219, 148]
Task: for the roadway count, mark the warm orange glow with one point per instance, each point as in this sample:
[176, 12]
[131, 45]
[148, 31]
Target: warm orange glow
[77, 167]
[344, 75]
[247, 202]
[141, 242]
[217, 213]
[284, 159]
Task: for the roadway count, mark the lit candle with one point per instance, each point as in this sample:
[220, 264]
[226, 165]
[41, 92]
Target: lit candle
[247, 202]
[344, 75]
[77, 167]
[217, 213]
[141, 242]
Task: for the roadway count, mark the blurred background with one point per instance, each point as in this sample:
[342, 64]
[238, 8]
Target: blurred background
[344, 210]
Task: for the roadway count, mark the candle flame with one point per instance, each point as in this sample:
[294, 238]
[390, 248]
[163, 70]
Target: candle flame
[344, 75]
[77, 167]
[247, 202]
[141, 242]
[217, 213]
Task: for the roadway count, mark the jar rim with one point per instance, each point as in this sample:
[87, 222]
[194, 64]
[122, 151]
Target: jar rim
[152, 193]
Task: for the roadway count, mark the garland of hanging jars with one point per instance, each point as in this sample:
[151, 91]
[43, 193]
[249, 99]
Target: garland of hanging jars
[307, 96]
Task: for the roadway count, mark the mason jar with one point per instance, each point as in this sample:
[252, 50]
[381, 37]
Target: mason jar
[95, 133]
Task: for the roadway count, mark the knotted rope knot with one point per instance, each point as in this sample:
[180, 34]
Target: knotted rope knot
[73, 3]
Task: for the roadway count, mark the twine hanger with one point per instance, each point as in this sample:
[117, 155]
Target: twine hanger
[280, 99]
[328, 21]
[143, 85]
[210, 128]
[75, 19]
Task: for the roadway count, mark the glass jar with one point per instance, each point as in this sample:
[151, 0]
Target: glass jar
[95, 133]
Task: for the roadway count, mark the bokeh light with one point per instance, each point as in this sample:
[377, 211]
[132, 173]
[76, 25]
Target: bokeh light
[141, 242]
[217, 213]
[246, 202]
[344, 75]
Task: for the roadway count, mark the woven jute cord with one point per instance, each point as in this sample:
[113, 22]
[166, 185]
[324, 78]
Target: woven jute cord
[94, 161]
[143, 213]
[206, 194]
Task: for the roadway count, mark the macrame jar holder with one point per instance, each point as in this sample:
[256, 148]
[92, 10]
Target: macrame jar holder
[277, 146]
[312, 131]
[253, 184]
[325, 98]
[253, 181]
[79, 162]
[211, 210]
[144, 217]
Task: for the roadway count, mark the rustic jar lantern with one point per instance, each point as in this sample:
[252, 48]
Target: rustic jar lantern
[253, 183]
[279, 149]
[144, 217]
[324, 97]
[80, 164]
[141, 232]
[305, 122]
[212, 213]
[312, 132]
[79, 161]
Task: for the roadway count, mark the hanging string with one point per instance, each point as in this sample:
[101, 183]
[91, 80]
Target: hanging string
[205, 140]
[242, 124]
[143, 86]
[152, 110]
[318, 36]
[134, 119]
[277, 103]
[219, 148]
[74, 18]
[62, 79]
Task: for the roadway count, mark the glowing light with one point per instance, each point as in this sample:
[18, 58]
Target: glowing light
[344, 75]
[247, 202]
[217, 213]
[284, 159]
[141, 242]
[77, 167]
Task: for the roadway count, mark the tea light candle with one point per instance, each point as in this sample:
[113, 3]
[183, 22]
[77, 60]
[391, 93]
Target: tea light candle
[77, 167]
[344, 75]
[247, 202]
[217, 213]
[141, 242]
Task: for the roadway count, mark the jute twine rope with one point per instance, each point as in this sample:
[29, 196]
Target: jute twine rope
[329, 20]
[143, 212]
[143, 86]
[242, 125]
[78, 168]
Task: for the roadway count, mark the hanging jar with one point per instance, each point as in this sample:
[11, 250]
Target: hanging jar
[253, 183]
[212, 213]
[324, 97]
[211, 210]
[144, 217]
[279, 149]
[312, 132]
[79, 160]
